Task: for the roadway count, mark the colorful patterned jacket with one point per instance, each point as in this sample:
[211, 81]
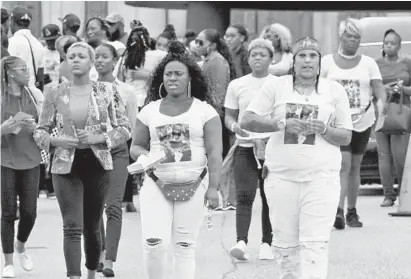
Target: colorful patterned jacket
[106, 115]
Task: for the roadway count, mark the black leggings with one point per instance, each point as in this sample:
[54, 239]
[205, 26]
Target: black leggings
[24, 183]
[81, 195]
[247, 176]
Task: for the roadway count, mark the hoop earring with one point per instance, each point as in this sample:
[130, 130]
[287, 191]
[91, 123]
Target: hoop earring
[189, 89]
[159, 90]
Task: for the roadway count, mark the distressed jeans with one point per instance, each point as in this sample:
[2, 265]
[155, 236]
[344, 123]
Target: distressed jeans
[118, 177]
[81, 195]
[164, 222]
[392, 150]
[302, 216]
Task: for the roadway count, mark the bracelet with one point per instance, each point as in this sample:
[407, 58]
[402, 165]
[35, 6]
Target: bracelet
[232, 126]
[325, 130]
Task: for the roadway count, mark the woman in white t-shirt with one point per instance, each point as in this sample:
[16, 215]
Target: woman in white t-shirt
[280, 37]
[361, 78]
[243, 164]
[310, 120]
[180, 119]
[138, 61]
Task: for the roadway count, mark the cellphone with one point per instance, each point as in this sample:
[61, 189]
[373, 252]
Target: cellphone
[264, 172]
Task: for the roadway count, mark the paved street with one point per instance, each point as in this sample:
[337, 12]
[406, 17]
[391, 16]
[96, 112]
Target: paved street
[380, 250]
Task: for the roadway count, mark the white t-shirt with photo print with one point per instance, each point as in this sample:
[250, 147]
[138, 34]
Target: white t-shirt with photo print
[181, 137]
[240, 93]
[357, 84]
[302, 158]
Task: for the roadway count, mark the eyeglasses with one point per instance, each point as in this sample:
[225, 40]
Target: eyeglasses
[199, 42]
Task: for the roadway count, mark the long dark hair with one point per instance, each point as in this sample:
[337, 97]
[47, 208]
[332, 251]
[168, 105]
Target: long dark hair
[26, 102]
[136, 48]
[292, 71]
[389, 31]
[213, 36]
[200, 87]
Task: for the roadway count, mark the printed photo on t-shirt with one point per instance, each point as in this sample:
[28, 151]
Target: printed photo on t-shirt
[302, 112]
[175, 139]
[352, 87]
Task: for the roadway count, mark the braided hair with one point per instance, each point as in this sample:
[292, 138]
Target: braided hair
[213, 36]
[200, 87]
[137, 44]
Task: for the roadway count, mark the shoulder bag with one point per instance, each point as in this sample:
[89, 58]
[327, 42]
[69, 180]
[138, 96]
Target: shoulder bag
[37, 82]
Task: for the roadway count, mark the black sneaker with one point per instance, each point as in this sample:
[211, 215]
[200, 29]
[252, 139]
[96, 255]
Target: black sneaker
[100, 267]
[339, 222]
[352, 218]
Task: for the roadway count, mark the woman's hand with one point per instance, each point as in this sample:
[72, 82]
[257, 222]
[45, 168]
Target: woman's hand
[237, 129]
[65, 142]
[212, 197]
[295, 126]
[29, 124]
[315, 126]
[86, 137]
[8, 126]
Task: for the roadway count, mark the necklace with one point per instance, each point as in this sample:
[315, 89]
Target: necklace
[349, 57]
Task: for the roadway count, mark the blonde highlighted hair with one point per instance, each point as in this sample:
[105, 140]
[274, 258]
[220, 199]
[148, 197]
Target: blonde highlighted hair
[284, 34]
[351, 26]
[263, 43]
[90, 50]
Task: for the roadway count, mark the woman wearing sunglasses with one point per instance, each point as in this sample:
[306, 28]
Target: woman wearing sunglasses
[20, 160]
[361, 78]
[280, 37]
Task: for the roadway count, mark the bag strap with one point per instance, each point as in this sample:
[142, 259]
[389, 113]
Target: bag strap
[160, 183]
[32, 57]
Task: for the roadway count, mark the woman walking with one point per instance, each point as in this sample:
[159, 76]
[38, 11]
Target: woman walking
[392, 148]
[106, 59]
[91, 121]
[310, 120]
[361, 78]
[246, 158]
[180, 119]
[20, 161]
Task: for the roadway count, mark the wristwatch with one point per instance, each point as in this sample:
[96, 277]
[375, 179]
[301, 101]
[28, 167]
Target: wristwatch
[281, 125]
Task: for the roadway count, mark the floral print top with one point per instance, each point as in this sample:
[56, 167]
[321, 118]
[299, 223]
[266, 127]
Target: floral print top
[106, 115]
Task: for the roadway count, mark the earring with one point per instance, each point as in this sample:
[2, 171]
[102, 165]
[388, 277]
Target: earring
[12, 76]
[159, 90]
[189, 89]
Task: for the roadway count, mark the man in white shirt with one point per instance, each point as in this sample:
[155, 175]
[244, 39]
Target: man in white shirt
[24, 45]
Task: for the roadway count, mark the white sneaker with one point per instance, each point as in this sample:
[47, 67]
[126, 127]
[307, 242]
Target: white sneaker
[238, 251]
[25, 261]
[266, 253]
[8, 272]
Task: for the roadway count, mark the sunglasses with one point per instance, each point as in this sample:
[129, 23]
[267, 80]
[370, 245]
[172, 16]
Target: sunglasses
[199, 42]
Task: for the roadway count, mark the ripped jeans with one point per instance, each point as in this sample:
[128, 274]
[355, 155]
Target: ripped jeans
[302, 215]
[164, 222]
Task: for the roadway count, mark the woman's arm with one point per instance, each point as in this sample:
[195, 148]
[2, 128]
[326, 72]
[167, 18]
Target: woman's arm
[119, 121]
[217, 70]
[338, 136]
[259, 124]
[283, 67]
[47, 120]
[131, 110]
[214, 150]
[378, 90]
[230, 118]
[141, 140]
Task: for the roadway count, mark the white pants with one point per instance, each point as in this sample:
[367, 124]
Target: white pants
[302, 215]
[164, 222]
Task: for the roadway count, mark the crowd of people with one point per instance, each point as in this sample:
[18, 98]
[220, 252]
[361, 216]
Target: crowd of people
[232, 116]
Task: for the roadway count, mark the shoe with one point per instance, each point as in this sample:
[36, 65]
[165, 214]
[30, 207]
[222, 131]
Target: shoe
[238, 251]
[100, 267]
[352, 218]
[130, 207]
[266, 253]
[108, 272]
[339, 222]
[229, 207]
[8, 272]
[387, 202]
[25, 261]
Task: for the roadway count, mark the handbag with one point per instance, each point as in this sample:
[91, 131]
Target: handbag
[36, 74]
[397, 120]
[177, 191]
